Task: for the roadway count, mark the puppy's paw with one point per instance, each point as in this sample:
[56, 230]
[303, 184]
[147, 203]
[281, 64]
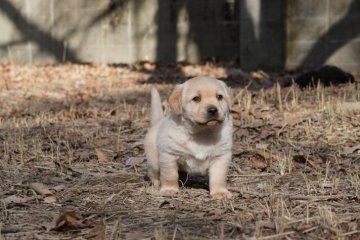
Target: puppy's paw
[152, 191]
[221, 194]
[155, 183]
[168, 191]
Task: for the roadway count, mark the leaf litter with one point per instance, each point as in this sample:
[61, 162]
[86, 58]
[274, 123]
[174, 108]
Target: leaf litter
[74, 133]
[44, 190]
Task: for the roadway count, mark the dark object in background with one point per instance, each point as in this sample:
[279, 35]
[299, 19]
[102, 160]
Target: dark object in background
[327, 75]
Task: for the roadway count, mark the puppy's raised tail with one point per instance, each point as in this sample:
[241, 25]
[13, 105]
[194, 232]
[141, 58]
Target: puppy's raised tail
[157, 112]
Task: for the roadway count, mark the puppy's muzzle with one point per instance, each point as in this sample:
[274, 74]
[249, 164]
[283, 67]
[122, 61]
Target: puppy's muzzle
[212, 117]
[212, 112]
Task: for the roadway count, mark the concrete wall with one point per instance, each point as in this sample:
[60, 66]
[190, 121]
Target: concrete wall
[117, 31]
[323, 31]
[258, 33]
[262, 33]
[68, 30]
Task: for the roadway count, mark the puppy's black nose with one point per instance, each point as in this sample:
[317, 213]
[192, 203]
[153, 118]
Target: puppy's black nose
[212, 111]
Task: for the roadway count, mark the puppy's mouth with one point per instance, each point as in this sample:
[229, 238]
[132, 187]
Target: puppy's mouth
[211, 122]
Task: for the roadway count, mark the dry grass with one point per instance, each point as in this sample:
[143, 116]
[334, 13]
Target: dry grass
[78, 130]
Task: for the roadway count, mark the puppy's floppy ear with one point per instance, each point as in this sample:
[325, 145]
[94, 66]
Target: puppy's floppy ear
[175, 100]
[229, 94]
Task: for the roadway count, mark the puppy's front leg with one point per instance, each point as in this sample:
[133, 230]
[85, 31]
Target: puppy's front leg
[217, 178]
[168, 174]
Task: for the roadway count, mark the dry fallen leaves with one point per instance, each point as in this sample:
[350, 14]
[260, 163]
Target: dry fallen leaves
[133, 161]
[170, 204]
[44, 190]
[58, 188]
[307, 160]
[217, 213]
[268, 156]
[135, 235]
[98, 232]
[258, 164]
[69, 220]
[14, 199]
[289, 120]
[246, 138]
[262, 159]
[350, 150]
[102, 158]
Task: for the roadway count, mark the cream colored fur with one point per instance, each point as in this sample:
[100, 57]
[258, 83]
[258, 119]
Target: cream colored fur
[190, 138]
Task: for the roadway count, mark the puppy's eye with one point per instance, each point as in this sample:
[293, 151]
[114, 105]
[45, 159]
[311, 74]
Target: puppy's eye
[196, 99]
[219, 97]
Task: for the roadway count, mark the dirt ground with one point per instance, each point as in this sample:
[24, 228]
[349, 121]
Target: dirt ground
[72, 163]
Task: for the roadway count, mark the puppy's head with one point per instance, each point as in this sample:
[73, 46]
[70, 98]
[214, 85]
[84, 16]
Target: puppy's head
[204, 101]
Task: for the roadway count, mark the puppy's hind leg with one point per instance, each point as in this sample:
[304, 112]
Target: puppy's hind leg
[168, 174]
[153, 169]
[154, 172]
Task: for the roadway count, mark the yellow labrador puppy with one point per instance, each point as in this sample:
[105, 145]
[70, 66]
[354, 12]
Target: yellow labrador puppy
[196, 137]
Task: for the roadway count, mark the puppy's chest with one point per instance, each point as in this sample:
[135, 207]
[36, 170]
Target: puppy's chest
[201, 153]
[197, 159]
[197, 164]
